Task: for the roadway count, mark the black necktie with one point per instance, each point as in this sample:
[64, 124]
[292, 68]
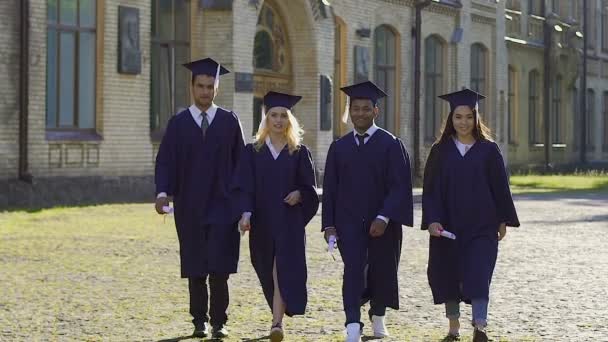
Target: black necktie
[361, 139]
[204, 124]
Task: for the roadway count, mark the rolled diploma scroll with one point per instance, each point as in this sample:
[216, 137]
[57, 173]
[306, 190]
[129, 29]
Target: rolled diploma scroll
[448, 235]
[167, 209]
[332, 244]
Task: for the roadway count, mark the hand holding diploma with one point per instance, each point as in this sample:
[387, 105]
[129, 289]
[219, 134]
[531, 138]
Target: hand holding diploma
[245, 223]
[447, 234]
[331, 237]
[332, 244]
[436, 229]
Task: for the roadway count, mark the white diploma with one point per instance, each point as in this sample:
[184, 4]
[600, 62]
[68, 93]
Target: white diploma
[448, 235]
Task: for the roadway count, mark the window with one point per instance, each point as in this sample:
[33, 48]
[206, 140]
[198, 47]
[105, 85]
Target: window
[385, 74]
[576, 10]
[534, 110]
[478, 72]
[556, 110]
[590, 123]
[604, 12]
[557, 7]
[170, 49]
[433, 84]
[592, 27]
[270, 46]
[535, 7]
[605, 130]
[512, 106]
[514, 5]
[70, 64]
[576, 117]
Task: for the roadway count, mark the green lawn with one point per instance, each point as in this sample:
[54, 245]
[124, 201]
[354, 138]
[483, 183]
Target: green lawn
[591, 181]
[111, 273]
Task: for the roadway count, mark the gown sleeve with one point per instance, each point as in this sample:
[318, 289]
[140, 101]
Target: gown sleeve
[330, 184]
[431, 193]
[398, 204]
[499, 185]
[243, 183]
[306, 183]
[165, 173]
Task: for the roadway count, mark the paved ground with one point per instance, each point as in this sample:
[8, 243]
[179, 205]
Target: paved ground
[111, 273]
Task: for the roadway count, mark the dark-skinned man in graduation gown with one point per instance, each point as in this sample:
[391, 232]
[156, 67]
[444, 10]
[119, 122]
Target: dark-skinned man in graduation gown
[367, 197]
[195, 162]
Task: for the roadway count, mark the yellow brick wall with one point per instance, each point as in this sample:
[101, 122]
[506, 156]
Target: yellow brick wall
[228, 36]
[9, 89]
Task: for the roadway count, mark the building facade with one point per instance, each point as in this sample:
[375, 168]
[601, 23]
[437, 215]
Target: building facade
[91, 84]
[545, 50]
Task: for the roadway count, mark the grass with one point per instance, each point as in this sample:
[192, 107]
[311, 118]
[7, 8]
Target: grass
[576, 182]
[111, 272]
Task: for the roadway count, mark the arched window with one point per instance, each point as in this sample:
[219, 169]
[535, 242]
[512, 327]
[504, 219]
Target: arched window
[590, 122]
[271, 44]
[556, 103]
[479, 72]
[512, 110]
[385, 56]
[433, 85]
[534, 111]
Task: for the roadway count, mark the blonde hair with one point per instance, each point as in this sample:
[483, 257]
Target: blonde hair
[293, 133]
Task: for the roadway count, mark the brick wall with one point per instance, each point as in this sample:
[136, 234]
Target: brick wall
[9, 89]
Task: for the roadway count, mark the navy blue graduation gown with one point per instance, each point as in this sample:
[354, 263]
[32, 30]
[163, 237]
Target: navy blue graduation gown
[359, 184]
[470, 196]
[197, 172]
[278, 229]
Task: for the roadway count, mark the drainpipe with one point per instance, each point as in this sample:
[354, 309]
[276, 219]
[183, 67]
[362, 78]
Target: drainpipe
[417, 35]
[24, 174]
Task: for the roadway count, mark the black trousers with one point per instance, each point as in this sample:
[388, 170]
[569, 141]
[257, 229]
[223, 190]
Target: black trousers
[217, 303]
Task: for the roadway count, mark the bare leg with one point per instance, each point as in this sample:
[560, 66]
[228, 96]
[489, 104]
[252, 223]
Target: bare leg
[278, 305]
[454, 326]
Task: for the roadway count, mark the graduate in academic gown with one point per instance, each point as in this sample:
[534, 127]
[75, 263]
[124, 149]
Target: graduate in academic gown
[275, 187]
[367, 197]
[195, 162]
[466, 192]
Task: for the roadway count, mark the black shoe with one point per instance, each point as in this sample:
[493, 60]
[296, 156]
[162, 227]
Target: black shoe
[479, 336]
[201, 330]
[219, 331]
[451, 338]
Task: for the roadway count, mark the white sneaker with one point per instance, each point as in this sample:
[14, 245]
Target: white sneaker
[379, 327]
[353, 332]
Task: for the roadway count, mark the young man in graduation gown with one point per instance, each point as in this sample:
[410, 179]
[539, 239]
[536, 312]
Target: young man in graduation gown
[194, 165]
[367, 197]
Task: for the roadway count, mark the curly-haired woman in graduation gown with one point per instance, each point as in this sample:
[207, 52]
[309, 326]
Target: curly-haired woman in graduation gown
[275, 187]
[466, 192]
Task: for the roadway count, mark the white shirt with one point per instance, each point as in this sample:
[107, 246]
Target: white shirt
[370, 131]
[462, 148]
[197, 115]
[273, 151]
[275, 155]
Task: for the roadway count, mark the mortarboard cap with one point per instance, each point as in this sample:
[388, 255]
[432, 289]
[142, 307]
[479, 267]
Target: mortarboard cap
[276, 99]
[206, 66]
[364, 90]
[465, 97]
